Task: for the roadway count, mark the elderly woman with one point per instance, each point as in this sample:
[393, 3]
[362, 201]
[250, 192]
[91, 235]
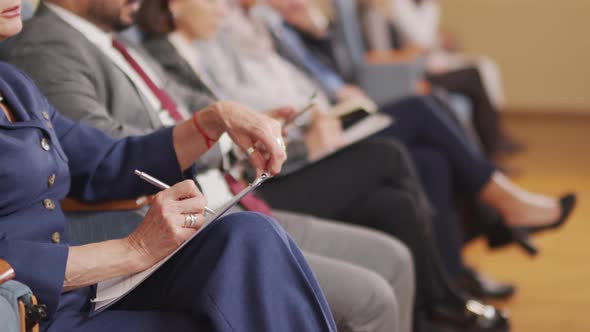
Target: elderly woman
[242, 272]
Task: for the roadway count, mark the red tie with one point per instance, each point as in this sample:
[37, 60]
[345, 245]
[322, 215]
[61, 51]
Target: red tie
[167, 103]
[249, 202]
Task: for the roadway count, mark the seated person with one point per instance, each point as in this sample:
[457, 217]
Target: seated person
[465, 80]
[377, 292]
[405, 29]
[176, 54]
[99, 87]
[219, 281]
[415, 24]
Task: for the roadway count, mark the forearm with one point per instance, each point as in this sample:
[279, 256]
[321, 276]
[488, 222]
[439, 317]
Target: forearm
[189, 143]
[91, 263]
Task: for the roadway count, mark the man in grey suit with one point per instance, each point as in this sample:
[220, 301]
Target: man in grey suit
[74, 65]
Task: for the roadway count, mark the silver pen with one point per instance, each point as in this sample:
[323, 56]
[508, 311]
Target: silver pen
[150, 179]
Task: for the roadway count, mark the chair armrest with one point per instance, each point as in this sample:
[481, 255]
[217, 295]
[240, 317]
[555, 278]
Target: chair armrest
[6, 272]
[72, 205]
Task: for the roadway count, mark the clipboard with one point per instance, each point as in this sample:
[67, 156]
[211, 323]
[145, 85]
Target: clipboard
[108, 292]
[361, 130]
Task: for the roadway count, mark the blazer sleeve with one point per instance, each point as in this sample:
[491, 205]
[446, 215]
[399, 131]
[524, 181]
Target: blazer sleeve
[102, 168]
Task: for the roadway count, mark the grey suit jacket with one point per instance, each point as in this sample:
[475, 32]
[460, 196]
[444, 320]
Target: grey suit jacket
[83, 83]
[176, 67]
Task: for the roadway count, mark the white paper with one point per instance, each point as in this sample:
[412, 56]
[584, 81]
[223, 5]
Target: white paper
[215, 188]
[110, 291]
[366, 127]
[354, 104]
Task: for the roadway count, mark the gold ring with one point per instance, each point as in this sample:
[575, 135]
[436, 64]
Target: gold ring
[250, 150]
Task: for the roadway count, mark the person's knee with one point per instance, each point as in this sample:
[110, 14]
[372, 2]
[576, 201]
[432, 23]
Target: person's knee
[396, 263]
[377, 309]
[393, 155]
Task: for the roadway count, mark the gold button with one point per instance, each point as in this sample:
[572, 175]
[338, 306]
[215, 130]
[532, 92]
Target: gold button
[51, 180]
[45, 115]
[56, 237]
[48, 204]
[45, 144]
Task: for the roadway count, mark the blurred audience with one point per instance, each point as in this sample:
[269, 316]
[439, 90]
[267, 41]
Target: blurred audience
[411, 28]
[424, 126]
[416, 24]
[126, 101]
[243, 271]
[174, 48]
[162, 45]
[280, 57]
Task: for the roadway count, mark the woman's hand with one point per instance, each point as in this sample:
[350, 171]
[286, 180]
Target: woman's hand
[349, 91]
[160, 233]
[254, 132]
[162, 230]
[324, 135]
[282, 113]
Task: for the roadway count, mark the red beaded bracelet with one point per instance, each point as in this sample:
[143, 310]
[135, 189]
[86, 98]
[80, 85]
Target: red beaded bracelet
[208, 140]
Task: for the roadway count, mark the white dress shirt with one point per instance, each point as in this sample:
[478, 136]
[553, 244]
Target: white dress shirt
[417, 23]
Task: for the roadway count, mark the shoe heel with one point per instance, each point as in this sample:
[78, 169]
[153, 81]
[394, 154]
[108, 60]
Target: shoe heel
[499, 236]
[521, 237]
[503, 235]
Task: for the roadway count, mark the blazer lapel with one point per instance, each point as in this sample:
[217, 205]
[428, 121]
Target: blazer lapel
[196, 79]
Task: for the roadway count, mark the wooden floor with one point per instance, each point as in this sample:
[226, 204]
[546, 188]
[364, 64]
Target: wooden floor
[553, 288]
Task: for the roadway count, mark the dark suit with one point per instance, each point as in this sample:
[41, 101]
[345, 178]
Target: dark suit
[221, 281]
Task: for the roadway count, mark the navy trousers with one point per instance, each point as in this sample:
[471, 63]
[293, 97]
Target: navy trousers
[419, 121]
[242, 273]
[435, 171]
[446, 163]
[486, 119]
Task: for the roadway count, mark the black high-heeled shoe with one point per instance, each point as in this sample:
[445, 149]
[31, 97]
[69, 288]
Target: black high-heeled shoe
[520, 235]
[500, 235]
[567, 203]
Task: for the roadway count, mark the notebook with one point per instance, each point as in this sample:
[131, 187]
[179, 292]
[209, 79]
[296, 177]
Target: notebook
[362, 129]
[110, 291]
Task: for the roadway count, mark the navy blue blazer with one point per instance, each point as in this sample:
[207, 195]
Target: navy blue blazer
[43, 158]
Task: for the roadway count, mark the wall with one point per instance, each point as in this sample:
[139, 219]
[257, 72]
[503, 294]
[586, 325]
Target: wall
[542, 46]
